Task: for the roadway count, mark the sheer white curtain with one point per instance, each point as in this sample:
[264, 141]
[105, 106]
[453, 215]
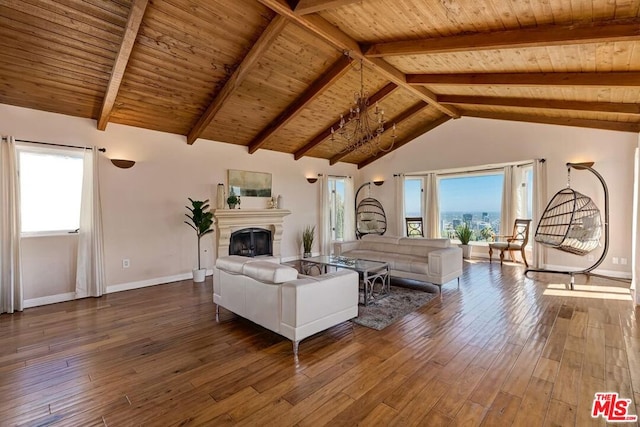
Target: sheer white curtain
[349, 210]
[398, 182]
[90, 278]
[509, 193]
[325, 216]
[539, 204]
[432, 207]
[11, 294]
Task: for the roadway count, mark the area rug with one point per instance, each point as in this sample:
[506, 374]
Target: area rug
[384, 311]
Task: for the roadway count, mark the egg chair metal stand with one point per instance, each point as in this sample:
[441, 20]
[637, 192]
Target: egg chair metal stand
[571, 223]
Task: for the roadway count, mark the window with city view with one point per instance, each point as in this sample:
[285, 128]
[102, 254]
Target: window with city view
[472, 199]
[476, 199]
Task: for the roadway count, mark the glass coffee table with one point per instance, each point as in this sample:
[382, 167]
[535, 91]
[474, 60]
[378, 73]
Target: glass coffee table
[374, 274]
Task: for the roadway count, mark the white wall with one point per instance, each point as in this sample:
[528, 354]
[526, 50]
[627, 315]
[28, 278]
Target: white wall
[469, 142]
[49, 260]
[143, 207]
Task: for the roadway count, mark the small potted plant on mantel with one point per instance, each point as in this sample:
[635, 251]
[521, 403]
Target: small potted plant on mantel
[233, 200]
[307, 239]
[201, 219]
[464, 234]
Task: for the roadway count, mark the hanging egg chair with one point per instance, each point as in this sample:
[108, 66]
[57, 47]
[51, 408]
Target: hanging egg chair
[370, 215]
[571, 223]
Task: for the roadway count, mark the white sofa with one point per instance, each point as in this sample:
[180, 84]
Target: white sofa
[428, 260]
[280, 299]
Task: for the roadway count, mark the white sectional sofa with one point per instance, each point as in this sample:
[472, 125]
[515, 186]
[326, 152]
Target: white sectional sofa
[280, 299]
[428, 260]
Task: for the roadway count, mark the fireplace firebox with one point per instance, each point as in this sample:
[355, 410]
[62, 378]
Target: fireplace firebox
[251, 242]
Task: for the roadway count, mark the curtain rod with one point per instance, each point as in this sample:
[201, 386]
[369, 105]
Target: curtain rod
[496, 169]
[459, 171]
[53, 144]
[335, 176]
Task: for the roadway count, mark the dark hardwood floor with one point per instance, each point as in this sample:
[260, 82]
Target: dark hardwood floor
[500, 350]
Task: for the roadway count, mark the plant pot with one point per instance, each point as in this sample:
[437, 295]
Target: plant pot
[232, 206]
[199, 275]
[466, 251]
[306, 255]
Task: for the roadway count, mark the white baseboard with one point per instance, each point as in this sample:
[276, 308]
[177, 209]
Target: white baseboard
[151, 282]
[50, 299]
[70, 296]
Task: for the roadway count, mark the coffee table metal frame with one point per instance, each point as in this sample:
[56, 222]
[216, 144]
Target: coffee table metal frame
[372, 272]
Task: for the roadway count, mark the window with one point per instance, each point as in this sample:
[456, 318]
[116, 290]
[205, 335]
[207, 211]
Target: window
[475, 199]
[471, 197]
[336, 207]
[413, 207]
[413, 197]
[50, 190]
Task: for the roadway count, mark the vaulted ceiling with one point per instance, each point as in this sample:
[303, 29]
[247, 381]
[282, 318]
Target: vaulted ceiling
[272, 74]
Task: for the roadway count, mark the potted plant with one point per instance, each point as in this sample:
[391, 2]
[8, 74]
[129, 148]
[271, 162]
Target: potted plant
[232, 200]
[307, 239]
[488, 234]
[201, 220]
[464, 234]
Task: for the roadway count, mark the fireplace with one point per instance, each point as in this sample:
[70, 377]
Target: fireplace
[251, 242]
[229, 221]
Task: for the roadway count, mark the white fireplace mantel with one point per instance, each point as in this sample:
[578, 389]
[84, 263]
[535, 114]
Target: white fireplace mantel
[230, 220]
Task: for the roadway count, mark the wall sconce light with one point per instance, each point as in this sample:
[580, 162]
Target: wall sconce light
[312, 180]
[378, 183]
[123, 164]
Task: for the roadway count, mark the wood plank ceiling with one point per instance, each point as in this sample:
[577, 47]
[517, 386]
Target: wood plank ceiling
[273, 74]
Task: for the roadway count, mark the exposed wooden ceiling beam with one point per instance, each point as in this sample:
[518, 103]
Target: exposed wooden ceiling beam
[548, 35]
[122, 58]
[305, 7]
[316, 140]
[409, 112]
[398, 77]
[336, 71]
[631, 78]
[334, 36]
[418, 132]
[316, 25]
[608, 107]
[563, 121]
[273, 30]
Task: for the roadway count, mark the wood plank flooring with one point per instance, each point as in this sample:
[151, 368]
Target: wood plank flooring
[500, 350]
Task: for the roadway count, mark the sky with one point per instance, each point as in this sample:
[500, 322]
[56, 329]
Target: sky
[473, 194]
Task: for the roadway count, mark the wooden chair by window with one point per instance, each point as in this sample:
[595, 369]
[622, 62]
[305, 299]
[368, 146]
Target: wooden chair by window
[414, 227]
[515, 242]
